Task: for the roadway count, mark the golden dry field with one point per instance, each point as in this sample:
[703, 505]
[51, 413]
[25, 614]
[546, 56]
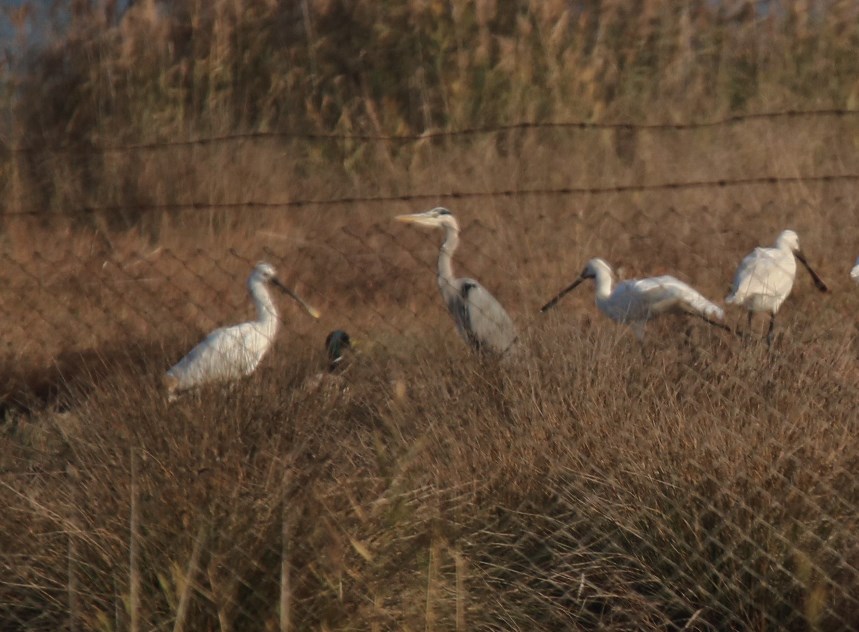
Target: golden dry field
[699, 481]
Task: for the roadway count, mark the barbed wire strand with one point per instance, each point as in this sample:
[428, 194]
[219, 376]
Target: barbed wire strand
[667, 126]
[721, 183]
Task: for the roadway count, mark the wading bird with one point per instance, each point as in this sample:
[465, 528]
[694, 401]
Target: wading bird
[229, 353]
[331, 381]
[337, 343]
[765, 277]
[854, 273]
[636, 301]
[479, 317]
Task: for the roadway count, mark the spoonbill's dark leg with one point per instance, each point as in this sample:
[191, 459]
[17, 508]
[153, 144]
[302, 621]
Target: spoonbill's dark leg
[770, 330]
[751, 313]
[718, 325]
[643, 349]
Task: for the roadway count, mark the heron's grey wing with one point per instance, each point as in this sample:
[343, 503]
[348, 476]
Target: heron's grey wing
[485, 323]
[854, 273]
[665, 293]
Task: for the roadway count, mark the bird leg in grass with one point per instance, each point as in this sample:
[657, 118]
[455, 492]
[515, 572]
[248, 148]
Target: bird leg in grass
[770, 330]
[170, 384]
[745, 335]
[719, 325]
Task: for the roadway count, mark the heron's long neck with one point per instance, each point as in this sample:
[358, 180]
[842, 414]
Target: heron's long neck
[603, 284]
[266, 311]
[445, 257]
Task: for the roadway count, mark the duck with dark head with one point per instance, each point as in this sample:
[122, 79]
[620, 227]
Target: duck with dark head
[337, 344]
[332, 381]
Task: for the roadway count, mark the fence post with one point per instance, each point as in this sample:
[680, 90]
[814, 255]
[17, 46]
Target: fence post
[285, 563]
[72, 555]
[459, 563]
[187, 589]
[134, 551]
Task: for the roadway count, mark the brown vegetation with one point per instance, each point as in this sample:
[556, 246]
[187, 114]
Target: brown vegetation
[698, 483]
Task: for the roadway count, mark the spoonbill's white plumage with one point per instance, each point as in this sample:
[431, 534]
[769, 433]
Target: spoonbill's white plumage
[765, 278]
[229, 353]
[480, 319]
[636, 301]
[854, 273]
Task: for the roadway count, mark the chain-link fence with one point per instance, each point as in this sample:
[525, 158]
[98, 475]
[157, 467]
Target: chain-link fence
[698, 481]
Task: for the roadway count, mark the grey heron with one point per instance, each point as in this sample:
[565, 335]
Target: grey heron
[480, 319]
[636, 301]
[765, 278]
[229, 353]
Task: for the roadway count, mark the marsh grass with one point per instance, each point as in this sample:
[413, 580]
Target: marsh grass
[584, 485]
[698, 482]
[187, 70]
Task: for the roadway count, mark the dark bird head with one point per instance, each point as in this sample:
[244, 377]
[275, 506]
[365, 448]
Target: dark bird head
[336, 344]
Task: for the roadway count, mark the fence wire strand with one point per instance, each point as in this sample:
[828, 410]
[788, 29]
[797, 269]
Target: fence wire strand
[668, 126]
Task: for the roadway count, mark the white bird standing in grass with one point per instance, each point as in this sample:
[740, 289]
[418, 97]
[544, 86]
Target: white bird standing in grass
[765, 277]
[636, 301]
[229, 353]
[480, 319]
[854, 273]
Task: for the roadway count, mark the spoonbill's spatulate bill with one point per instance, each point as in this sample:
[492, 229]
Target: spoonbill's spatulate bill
[229, 353]
[854, 273]
[765, 278]
[634, 302]
[480, 319]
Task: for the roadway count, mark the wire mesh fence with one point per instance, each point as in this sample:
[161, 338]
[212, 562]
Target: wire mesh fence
[697, 482]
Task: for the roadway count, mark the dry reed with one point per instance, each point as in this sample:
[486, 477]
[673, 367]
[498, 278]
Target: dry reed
[698, 483]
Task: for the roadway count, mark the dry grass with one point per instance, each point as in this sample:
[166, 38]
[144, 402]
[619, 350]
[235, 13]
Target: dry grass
[585, 485]
[701, 482]
[174, 71]
[698, 483]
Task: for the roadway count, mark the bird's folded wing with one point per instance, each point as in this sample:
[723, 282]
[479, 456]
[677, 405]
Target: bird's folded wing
[668, 292]
[487, 323]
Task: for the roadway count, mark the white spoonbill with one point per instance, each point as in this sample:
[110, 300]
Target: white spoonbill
[636, 301]
[479, 317]
[229, 353]
[765, 277]
[854, 273]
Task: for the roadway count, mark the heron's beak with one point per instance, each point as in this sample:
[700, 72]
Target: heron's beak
[424, 219]
[310, 310]
[572, 286]
[818, 282]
